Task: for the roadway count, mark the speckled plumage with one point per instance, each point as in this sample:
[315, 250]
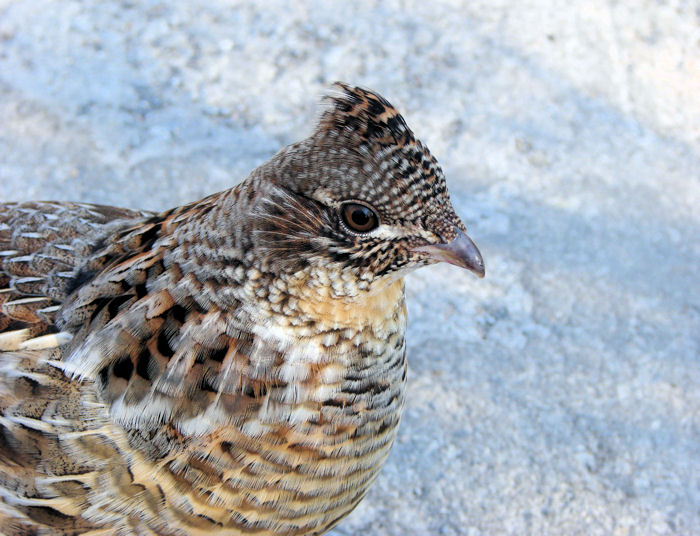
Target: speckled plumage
[234, 366]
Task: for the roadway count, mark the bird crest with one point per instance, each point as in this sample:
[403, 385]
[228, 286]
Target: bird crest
[366, 114]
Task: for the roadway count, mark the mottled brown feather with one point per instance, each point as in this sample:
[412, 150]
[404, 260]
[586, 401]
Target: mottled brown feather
[233, 366]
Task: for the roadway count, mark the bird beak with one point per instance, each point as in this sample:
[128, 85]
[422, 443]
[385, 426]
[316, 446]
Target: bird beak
[461, 251]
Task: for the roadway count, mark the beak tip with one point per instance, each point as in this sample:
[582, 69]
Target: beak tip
[475, 264]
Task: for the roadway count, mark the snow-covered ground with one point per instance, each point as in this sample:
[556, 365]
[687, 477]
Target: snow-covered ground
[560, 395]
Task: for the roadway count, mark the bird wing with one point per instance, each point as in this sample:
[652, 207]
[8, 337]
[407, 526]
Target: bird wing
[109, 366]
[42, 245]
[91, 283]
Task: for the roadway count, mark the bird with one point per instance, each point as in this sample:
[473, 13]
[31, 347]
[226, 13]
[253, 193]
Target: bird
[232, 366]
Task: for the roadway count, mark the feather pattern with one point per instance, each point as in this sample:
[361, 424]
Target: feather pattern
[232, 366]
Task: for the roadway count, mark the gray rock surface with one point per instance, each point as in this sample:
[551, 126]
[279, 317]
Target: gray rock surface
[560, 395]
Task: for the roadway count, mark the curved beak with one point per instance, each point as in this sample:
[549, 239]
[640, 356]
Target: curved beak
[461, 251]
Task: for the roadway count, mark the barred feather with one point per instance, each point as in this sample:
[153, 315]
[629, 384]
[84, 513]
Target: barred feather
[233, 366]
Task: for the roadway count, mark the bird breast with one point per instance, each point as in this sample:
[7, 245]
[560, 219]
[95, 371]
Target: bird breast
[315, 444]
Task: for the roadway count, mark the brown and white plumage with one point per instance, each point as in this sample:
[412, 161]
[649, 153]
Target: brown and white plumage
[234, 366]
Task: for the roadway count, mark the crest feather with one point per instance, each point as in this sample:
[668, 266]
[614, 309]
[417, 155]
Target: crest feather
[363, 113]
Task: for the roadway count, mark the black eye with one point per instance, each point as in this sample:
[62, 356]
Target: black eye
[359, 217]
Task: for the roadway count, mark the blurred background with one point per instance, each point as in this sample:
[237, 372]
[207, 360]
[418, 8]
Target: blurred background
[558, 396]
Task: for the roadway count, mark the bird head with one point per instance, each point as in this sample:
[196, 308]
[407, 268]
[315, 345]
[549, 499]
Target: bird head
[361, 199]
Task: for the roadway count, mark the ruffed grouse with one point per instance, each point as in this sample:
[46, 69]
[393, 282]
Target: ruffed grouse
[233, 366]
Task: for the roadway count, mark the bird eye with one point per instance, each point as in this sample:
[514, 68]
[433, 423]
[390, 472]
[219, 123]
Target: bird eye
[359, 217]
